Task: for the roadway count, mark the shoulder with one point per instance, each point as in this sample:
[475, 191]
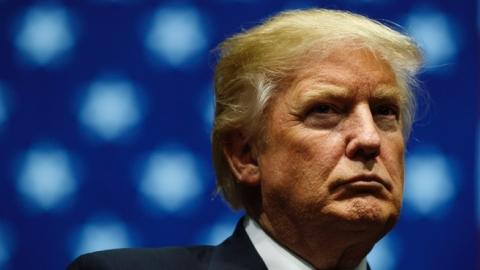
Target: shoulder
[196, 257]
[235, 253]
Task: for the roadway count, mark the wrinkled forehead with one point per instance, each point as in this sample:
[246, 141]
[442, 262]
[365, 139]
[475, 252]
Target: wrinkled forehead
[346, 71]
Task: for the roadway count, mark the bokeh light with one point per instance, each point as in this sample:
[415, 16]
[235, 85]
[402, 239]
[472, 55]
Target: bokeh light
[101, 233]
[176, 35]
[436, 34]
[45, 34]
[110, 108]
[46, 178]
[429, 182]
[171, 179]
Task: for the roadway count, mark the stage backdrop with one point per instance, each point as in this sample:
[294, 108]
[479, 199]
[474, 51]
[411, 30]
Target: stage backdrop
[105, 116]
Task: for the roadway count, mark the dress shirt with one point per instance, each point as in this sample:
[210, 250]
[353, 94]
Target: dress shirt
[275, 256]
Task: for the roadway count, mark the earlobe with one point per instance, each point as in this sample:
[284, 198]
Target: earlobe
[241, 156]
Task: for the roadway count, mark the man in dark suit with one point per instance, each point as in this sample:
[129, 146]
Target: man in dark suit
[313, 109]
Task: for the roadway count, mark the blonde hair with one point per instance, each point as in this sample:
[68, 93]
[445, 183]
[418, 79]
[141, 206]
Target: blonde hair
[255, 63]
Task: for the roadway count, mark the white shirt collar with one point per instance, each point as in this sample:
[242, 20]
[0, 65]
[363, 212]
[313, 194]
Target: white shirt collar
[274, 255]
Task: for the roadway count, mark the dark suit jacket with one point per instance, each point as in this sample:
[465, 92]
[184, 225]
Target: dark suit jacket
[235, 253]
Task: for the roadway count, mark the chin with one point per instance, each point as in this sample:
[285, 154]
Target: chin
[367, 212]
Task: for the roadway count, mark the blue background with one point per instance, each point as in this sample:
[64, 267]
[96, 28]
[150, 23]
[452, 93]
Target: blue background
[105, 116]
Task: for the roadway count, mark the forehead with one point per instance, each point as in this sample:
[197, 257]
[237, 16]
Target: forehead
[346, 71]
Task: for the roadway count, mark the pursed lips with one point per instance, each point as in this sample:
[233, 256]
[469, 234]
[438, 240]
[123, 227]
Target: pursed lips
[364, 180]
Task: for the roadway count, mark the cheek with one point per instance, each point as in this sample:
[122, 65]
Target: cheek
[395, 159]
[299, 167]
[394, 163]
[323, 156]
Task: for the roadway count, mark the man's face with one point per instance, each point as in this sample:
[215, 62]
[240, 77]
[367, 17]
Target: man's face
[334, 146]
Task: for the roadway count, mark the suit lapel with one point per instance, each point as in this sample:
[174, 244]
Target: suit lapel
[236, 253]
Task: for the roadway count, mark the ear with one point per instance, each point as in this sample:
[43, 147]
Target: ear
[242, 158]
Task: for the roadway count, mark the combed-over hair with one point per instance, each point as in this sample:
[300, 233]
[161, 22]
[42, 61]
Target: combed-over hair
[253, 65]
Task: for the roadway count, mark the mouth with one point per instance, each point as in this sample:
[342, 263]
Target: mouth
[366, 183]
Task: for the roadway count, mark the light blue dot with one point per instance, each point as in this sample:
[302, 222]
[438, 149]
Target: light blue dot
[45, 34]
[100, 234]
[46, 178]
[384, 254]
[170, 179]
[434, 31]
[429, 182]
[176, 35]
[216, 233]
[110, 108]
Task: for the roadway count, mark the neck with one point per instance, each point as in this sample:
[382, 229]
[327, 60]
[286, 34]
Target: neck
[325, 246]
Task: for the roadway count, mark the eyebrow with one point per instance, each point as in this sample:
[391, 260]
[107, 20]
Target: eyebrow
[319, 91]
[388, 92]
[324, 91]
[382, 92]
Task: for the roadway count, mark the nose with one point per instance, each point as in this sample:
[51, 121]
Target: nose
[363, 140]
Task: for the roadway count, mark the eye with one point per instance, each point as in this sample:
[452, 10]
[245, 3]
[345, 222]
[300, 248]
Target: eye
[386, 110]
[323, 116]
[323, 109]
